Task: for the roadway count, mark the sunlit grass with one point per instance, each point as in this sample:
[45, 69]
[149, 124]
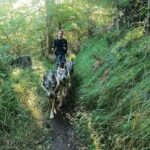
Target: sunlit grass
[25, 83]
[18, 88]
[40, 68]
[94, 136]
[31, 102]
[16, 72]
[23, 105]
[30, 99]
[131, 35]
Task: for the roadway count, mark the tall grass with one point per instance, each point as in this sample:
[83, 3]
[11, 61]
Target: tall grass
[117, 94]
[22, 105]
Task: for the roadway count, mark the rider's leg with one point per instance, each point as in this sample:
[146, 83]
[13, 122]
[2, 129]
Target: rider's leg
[57, 60]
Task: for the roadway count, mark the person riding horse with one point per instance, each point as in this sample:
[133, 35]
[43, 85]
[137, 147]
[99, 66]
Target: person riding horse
[60, 46]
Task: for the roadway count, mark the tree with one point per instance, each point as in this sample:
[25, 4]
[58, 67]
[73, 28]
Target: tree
[49, 13]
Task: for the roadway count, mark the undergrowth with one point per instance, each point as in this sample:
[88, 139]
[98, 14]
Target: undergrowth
[23, 105]
[115, 90]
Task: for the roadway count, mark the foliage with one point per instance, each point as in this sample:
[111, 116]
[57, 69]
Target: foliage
[117, 93]
[113, 66]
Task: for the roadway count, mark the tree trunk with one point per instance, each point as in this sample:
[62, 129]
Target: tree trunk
[48, 4]
[59, 26]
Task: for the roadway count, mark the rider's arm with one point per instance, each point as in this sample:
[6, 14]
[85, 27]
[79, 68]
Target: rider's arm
[54, 45]
[65, 47]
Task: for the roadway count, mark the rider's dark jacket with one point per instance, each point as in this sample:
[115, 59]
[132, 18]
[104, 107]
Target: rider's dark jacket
[59, 44]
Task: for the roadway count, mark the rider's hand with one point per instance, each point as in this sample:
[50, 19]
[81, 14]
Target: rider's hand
[64, 48]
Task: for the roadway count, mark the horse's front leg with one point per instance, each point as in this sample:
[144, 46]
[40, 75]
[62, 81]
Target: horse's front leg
[53, 110]
[60, 103]
[63, 95]
[59, 99]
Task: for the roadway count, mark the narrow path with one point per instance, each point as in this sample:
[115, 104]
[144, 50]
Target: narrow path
[63, 136]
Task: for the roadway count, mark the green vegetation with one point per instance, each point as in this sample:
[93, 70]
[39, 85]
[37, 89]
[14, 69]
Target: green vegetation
[115, 89]
[112, 70]
[23, 107]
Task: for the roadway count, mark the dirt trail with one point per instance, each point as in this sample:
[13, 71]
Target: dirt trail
[59, 132]
[63, 136]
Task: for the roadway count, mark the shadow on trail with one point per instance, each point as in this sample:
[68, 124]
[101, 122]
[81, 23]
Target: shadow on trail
[62, 131]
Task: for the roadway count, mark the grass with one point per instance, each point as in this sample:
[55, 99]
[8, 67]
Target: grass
[114, 97]
[116, 94]
[23, 107]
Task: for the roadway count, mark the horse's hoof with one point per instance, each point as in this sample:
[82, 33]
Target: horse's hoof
[51, 116]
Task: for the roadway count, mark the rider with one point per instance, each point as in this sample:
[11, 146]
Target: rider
[60, 46]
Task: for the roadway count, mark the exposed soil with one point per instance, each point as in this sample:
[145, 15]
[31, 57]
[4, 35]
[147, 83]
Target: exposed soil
[63, 135]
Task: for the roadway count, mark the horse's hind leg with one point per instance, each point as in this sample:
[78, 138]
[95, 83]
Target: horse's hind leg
[63, 95]
[60, 103]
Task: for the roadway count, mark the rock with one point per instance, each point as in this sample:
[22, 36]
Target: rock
[22, 62]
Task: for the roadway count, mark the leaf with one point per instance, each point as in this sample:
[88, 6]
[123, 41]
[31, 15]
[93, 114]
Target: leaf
[97, 118]
[3, 75]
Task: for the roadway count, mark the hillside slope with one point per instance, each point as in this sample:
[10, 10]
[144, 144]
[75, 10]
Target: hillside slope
[115, 76]
[24, 107]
